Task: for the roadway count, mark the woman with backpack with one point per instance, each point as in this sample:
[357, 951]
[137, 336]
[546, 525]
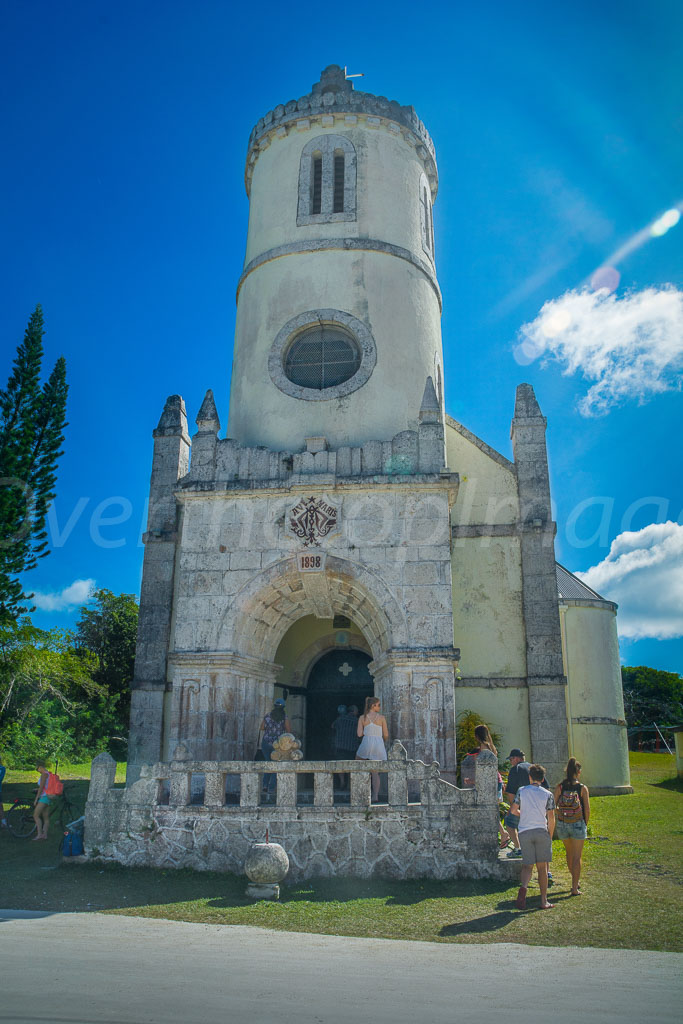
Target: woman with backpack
[572, 812]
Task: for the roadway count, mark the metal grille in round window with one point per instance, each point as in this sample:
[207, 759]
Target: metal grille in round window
[322, 357]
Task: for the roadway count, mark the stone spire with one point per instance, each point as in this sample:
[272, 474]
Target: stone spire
[173, 420]
[544, 665]
[526, 403]
[207, 417]
[169, 464]
[430, 432]
[430, 410]
[531, 459]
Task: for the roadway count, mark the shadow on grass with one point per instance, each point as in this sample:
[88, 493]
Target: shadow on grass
[350, 890]
[674, 784]
[480, 925]
[502, 917]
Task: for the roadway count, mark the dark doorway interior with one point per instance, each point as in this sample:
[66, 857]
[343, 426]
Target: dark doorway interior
[339, 677]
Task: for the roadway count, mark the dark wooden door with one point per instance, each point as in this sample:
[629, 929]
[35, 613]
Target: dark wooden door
[339, 677]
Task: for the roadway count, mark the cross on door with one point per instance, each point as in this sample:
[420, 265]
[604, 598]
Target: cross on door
[345, 669]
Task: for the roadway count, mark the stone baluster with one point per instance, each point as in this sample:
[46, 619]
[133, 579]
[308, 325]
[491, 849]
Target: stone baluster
[397, 782]
[486, 778]
[323, 789]
[249, 789]
[286, 789]
[360, 789]
[102, 776]
[214, 789]
[180, 789]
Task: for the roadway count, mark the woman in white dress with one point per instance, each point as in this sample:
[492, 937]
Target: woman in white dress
[372, 728]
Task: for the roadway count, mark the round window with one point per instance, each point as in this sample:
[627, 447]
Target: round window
[322, 357]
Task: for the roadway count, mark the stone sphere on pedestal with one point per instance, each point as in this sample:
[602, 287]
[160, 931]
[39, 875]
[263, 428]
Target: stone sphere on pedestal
[266, 865]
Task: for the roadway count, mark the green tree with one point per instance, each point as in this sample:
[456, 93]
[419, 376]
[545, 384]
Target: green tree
[652, 695]
[45, 686]
[32, 422]
[107, 630]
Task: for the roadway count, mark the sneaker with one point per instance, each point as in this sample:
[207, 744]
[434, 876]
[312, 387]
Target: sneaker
[520, 902]
[514, 853]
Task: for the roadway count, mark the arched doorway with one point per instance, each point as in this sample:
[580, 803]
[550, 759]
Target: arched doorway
[338, 677]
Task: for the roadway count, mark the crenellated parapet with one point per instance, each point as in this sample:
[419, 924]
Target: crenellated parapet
[334, 102]
[224, 461]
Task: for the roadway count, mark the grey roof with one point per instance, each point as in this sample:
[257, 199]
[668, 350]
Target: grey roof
[570, 587]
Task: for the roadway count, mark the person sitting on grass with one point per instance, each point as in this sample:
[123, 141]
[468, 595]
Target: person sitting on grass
[41, 804]
[536, 808]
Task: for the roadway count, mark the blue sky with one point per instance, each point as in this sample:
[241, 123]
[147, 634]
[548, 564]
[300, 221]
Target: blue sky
[558, 135]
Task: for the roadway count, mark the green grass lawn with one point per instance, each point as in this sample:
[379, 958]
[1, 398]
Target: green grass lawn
[631, 879]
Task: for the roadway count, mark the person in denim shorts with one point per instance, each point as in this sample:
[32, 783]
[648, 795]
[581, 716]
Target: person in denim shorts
[570, 828]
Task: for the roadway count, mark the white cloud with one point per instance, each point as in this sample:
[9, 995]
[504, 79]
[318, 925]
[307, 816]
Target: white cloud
[643, 573]
[76, 593]
[631, 347]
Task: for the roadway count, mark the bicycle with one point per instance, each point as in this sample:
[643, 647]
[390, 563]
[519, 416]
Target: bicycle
[20, 821]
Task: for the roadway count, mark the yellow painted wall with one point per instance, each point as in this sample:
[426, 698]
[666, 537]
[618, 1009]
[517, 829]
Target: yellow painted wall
[488, 624]
[505, 710]
[300, 636]
[488, 490]
[592, 666]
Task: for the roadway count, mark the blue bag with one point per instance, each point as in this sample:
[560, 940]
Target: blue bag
[72, 844]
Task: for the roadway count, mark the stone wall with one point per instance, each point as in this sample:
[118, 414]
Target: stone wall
[450, 833]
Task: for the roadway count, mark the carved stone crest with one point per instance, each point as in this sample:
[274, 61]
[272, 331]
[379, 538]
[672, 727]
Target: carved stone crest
[311, 519]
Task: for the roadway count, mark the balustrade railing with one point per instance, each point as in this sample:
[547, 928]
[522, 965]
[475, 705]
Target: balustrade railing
[240, 784]
[319, 784]
[235, 786]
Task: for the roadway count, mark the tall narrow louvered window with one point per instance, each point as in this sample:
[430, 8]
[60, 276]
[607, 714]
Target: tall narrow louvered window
[427, 231]
[322, 357]
[338, 197]
[327, 181]
[426, 216]
[316, 183]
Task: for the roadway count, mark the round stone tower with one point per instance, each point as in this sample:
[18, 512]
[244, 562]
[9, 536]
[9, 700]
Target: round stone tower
[339, 309]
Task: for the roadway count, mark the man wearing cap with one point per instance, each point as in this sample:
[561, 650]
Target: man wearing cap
[517, 776]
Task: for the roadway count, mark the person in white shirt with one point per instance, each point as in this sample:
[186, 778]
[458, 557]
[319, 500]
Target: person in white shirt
[536, 809]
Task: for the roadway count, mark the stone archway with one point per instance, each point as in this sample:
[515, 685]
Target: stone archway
[221, 693]
[275, 598]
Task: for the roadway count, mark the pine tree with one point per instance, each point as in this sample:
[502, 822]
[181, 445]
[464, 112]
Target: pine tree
[32, 422]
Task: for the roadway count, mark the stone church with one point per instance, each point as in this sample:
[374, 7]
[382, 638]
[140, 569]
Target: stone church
[345, 536]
